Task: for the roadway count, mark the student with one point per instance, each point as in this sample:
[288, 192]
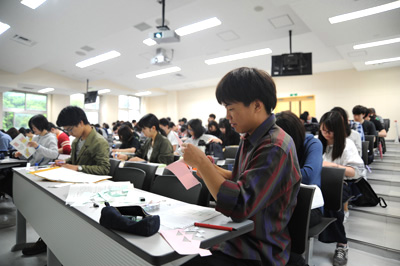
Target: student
[309, 150]
[157, 148]
[211, 117]
[13, 132]
[29, 134]
[229, 136]
[256, 189]
[63, 143]
[359, 113]
[307, 119]
[339, 151]
[380, 129]
[350, 133]
[129, 139]
[213, 129]
[89, 150]
[5, 140]
[171, 135]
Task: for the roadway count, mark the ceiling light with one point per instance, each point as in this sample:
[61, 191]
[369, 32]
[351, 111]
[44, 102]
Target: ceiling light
[199, 26]
[373, 44]
[158, 72]
[103, 91]
[234, 57]
[382, 61]
[3, 27]
[46, 90]
[149, 42]
[364, 12]
[98, 59]
[143, 93]
[32, 3]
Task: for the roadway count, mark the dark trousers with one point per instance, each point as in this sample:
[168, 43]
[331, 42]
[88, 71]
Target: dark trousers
[220, 259]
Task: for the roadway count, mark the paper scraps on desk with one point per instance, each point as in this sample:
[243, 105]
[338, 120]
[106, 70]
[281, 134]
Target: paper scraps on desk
[20, 143]
[61, 174]
[180, 169]
[183, 243]
[116, 193]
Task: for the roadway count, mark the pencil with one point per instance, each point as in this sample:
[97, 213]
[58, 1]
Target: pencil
[212, 226]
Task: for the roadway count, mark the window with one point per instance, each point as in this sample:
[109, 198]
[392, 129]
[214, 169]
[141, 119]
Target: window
[19, 107]
[129, 108]
[91, 109]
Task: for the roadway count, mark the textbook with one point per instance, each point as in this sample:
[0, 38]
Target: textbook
[20, 143]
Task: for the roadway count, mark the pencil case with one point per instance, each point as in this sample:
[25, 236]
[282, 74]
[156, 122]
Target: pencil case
[130, 219]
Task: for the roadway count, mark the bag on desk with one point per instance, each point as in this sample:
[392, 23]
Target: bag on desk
[123, 219]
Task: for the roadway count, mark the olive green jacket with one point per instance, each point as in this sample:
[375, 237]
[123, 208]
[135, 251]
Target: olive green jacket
[93, 156]
[162, 150]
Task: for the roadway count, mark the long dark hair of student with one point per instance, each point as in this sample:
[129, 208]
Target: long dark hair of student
[125, 134]
[292, 125]
[217, 131]
[343, 113]
[149, 121]
[333, 121]
[197, 127]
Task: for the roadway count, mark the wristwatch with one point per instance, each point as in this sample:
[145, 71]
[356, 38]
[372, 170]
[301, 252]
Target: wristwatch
[80, 168]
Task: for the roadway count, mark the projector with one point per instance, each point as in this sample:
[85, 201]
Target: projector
[161, 58]
[164, 35]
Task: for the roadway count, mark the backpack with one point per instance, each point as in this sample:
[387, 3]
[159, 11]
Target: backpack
[368, 196]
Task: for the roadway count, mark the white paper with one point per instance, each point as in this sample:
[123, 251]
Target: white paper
[61, 174]
[20, 143]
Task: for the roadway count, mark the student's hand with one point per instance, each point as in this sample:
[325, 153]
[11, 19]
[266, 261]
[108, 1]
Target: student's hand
[70, 166]
[122, 157]
[136, 159]
[59, 162]
[32, 144]
[329, 164]
[115, 150]
[17, 154]
[215, 140]
[192, 155]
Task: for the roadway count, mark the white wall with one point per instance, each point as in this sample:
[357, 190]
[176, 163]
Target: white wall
[347, 88]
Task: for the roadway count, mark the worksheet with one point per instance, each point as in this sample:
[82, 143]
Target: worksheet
[20, 143]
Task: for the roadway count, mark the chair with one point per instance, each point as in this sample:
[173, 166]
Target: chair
[387, 124]
[332, 191]
[134, 175]
[114, 165]
[300, 220]
[230, 152]
[364, 151]
[371, 140]
[170, 186]
[150, 170]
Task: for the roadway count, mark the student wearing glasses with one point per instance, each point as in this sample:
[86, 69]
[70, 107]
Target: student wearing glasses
[89, 150]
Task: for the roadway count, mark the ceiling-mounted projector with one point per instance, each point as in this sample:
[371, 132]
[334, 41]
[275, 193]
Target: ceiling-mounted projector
[164, 35]
[161, 58]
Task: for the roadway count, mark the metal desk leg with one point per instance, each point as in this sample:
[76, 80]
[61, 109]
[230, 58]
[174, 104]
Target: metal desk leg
[21, 233]
[52, 259]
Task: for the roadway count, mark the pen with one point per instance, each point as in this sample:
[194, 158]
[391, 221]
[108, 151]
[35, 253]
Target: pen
[212, 226]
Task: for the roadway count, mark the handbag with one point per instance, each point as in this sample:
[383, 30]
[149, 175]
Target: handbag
[368, 196]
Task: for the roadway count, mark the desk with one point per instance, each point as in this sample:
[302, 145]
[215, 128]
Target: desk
[11, 162]
[74, 236]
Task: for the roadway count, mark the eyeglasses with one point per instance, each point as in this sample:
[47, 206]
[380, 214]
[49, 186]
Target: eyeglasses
[68, 130]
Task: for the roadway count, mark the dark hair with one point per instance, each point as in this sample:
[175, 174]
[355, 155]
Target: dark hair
[217, 132]
[149, 121]
[183, 128]
[51, 125]
[171, 124]
[372, 111]
[292, 125]
[133, 121]
[184, 120]
[71, 116]
[197, 127]
[246, 85]
[164, 122]
[13, 132]
[343, 113]
[105, 125]
[125, 134]
[333, 121]
[28, 130]
[22, 130]
[39, 121]
[212, 115]
[127, 124]
[304, 117]
[359, 109]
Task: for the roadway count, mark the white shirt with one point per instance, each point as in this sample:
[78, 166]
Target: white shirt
[356, 138]
[173, 138]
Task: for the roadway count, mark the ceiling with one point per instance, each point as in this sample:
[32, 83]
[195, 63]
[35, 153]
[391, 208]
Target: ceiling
[63, 33]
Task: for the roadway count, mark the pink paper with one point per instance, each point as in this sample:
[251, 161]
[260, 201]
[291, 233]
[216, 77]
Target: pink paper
[179, 140]
[184, 175]
[183, 243]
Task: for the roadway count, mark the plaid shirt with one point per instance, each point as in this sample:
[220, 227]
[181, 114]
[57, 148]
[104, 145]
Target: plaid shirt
[264, 186]
[357, 127]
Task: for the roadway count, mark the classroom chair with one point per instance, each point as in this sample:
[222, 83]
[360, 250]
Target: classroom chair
[135, 175]
[114, 165]
[371, 140]
[300, 220]
[230, 151]
[170, 186]
[332, 191]
[364, 152]
[150, 170]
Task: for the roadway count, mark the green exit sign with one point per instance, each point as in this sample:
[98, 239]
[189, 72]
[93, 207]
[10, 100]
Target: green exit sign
[293, 94]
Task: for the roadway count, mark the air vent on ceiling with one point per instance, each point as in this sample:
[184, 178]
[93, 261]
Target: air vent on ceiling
[27, 88]
[23, 40]
[87, 48]
[228, 35]
[281, 21]
[142, 26]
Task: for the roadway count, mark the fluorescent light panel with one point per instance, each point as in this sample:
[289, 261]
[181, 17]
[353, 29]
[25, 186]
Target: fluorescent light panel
[3, 27]
[198, 26]
[374, 44]
[149, 42]
[158, 72]
[382, 61]
[103, 91]
[46, 90]
[98, 59]
[143, 93]
[32, 3]
[234, 57]
[365, 12]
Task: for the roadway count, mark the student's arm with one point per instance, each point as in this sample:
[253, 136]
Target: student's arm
[129, 150]
[311, 170]
[101, 159]
[51, 151]
[349, 171]
[166, 155]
